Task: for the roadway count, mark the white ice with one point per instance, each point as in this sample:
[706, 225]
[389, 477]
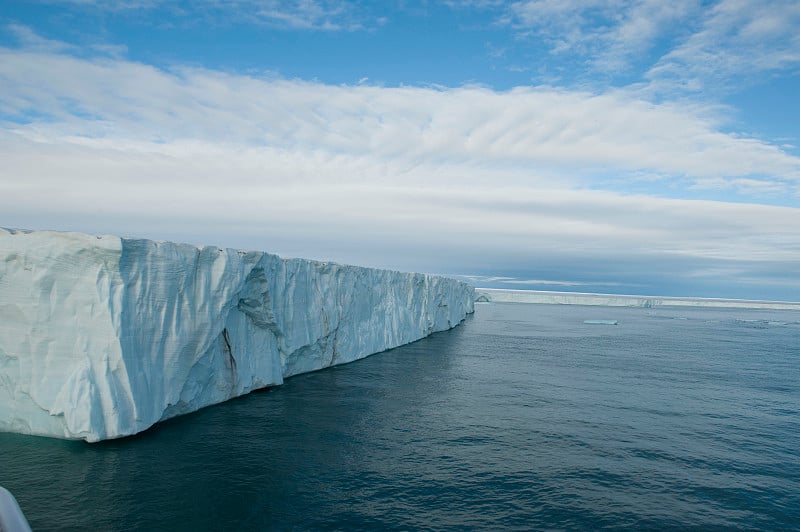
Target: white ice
[101, 337]
[495, 295]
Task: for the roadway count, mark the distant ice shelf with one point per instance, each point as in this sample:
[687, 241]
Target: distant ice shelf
[101, 336]
[613, 300]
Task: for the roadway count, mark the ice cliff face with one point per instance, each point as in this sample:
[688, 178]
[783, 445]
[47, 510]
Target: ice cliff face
[101, 337]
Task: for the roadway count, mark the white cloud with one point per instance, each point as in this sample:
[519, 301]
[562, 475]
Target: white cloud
[528, 131]
[571, 284]
[568, 25]
[297, 14]
[637, 30]
[709, 45]
[487, 280]
[306, 14]
[286, 194]
[32, 41]
[737, 40]
[109, 5]
[412, 178]
[612, 33]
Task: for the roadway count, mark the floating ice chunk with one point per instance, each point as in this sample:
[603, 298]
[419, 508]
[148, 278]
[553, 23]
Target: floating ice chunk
[11, 517]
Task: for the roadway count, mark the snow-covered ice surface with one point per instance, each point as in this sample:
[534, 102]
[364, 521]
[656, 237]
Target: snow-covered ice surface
[101, 336]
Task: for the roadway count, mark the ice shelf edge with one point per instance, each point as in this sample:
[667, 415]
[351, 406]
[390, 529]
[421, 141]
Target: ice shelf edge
[499, 295]
[102, 337]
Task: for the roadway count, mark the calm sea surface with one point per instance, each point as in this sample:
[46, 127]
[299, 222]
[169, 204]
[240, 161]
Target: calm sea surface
[523, 417]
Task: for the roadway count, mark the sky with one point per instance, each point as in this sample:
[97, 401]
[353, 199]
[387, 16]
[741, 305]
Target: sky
[613, 146]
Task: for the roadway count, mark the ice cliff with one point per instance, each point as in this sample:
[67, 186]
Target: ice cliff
[101, 337]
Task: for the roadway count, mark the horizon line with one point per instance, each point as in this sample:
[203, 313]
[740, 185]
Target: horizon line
[642, 296]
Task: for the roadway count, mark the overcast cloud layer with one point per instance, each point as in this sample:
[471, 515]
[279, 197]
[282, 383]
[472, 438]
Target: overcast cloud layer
[537, 186]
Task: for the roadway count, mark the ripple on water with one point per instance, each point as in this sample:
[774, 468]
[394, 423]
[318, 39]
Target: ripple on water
[521, 418]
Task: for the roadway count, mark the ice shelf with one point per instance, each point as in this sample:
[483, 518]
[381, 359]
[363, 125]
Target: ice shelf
[497, 295]
[101, 336]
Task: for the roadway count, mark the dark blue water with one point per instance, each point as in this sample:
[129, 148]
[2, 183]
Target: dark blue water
[523, 417]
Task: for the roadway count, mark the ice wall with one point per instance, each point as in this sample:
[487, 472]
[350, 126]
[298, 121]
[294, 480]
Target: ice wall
[101, 337]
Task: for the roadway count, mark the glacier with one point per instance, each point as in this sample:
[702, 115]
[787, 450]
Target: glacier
[102, 337]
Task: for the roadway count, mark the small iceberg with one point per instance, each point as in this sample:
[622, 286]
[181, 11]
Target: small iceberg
[601, 322]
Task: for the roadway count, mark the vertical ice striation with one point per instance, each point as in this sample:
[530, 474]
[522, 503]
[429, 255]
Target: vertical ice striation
[101, 337]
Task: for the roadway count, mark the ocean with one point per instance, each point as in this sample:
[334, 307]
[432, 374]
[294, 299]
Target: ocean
[524, 417]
